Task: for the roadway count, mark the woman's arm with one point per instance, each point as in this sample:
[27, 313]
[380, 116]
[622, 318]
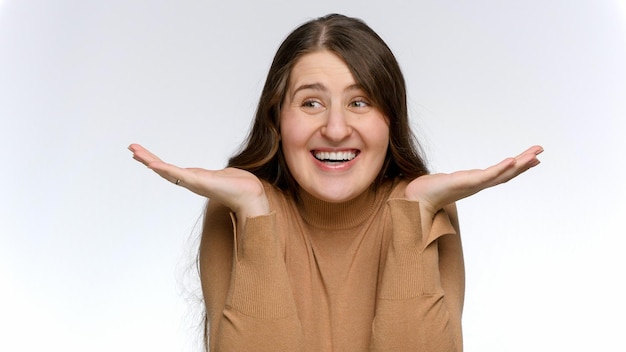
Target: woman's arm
[412, 309]
[452, 273]
[422, 289]
[239, 190]
[249, 301]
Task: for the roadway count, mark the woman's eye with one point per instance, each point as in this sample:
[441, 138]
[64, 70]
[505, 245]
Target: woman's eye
[311, 104]
[359, 104]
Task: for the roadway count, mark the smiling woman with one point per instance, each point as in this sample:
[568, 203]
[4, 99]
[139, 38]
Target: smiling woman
[326, 232]
[333, 140]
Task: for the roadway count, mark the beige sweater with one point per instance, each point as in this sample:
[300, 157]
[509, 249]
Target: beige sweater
[316, 276]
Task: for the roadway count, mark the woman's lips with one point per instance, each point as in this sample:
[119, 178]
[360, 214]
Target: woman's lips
[335, 159]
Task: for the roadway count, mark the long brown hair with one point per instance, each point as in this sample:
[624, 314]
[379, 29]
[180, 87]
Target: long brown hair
[374, 68]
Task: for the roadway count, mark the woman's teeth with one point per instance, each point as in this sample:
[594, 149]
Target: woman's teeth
[335, 156]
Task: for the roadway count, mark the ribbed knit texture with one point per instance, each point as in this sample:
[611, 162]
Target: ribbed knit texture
[412, 255]
[337, 216]
[410, 309]
[260, 285]
[315, 276]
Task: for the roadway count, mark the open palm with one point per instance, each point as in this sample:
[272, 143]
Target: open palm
[436, 190]
[237, 189]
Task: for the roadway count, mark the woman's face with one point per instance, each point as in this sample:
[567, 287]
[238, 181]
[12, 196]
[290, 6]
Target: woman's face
[333, 139]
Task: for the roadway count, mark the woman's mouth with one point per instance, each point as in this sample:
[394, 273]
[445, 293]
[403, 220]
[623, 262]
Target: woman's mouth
[335, 157]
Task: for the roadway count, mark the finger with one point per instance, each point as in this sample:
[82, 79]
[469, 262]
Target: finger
[528, 159]
[137, 148]
[143, 155]
[512, 167]
[184, 177]
[534, 150]
[529, 156]
[521, 163]
[493, 175]
[171, 173]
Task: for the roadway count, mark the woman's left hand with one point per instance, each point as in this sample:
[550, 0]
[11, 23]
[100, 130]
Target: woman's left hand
[436, 190]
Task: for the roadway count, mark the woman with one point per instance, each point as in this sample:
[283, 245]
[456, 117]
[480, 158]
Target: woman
[326, 232]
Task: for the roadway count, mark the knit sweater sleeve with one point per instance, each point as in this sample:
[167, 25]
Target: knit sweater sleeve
[250, 304]
[420, 296]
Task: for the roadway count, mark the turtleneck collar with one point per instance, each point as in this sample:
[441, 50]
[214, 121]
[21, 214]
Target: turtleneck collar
[344, 215]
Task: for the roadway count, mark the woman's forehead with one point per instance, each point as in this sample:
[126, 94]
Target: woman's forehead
[319, 71]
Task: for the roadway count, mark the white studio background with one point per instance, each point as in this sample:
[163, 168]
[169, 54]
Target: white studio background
[96, 251]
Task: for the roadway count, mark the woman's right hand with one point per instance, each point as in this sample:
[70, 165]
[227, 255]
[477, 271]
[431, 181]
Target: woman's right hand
[237, 189]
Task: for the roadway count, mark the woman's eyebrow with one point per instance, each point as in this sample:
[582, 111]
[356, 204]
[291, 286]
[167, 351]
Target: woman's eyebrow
[355, 86]
[312, 86]
[321, 87]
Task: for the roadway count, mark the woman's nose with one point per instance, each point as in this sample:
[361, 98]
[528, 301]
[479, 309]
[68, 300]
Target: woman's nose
[337, 127]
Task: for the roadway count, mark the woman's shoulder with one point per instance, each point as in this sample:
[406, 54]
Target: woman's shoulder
[396, 187]
[277, 197]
